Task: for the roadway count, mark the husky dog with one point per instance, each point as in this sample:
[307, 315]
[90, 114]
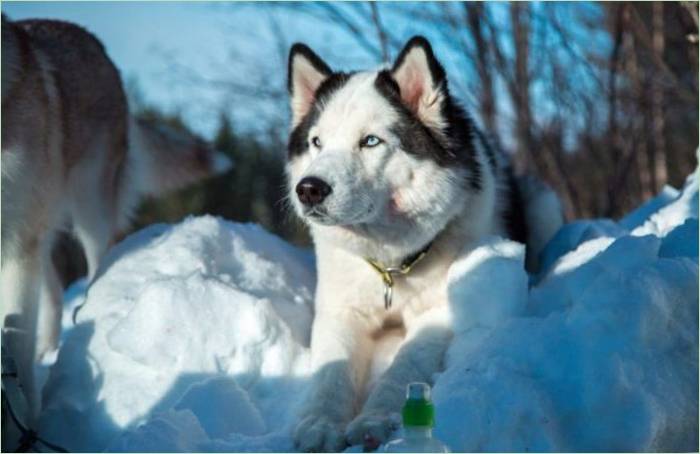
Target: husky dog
[71, 154]
[395, 182]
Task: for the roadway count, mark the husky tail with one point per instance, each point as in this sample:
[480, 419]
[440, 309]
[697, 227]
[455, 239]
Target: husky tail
[167, 159]
[543, 216]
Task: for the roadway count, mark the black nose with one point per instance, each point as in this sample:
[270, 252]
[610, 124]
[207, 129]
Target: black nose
[311, 190]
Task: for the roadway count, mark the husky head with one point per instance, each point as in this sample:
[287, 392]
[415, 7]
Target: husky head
[379, 161]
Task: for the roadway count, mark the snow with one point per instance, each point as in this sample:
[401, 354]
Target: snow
[194, 337]
[173, 309]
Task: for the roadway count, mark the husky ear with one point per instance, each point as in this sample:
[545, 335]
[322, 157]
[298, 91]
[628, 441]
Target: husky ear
[306, 72]
[421, 80]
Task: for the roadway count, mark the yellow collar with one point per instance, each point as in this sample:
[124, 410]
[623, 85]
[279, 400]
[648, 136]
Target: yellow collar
[387, 273]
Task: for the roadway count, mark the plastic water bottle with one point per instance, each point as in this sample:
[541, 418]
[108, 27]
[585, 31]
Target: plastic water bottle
[418, 415]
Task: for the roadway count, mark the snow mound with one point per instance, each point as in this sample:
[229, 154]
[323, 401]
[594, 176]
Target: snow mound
[194, 337]
[200, 327]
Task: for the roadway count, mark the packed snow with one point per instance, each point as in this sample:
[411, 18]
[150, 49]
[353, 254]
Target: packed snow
[194, 337]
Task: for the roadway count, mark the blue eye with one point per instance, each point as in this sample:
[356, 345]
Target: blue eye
[370, 141]
[316, 142]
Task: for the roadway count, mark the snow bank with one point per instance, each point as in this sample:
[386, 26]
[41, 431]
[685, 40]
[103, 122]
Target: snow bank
[197, 330]
[194, 338]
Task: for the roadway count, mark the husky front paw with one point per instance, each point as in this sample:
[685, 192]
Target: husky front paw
[319, 433]
[371, 429]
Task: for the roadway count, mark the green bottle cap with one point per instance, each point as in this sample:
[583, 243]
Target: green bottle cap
[418, 411]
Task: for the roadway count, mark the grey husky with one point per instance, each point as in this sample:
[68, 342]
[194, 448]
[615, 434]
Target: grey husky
[71, 155]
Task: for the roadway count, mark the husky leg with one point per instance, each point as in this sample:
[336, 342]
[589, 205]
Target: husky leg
[419, 358]
[20, 301]
[50, 311]
[340, 351]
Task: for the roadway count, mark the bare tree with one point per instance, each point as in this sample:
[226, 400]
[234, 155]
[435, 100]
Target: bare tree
[658, 156]
[381, 33]
[475, 16]
[520, 86]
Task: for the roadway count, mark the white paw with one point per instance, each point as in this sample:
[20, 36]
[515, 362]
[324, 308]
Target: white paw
[371, 429]
[319, 433]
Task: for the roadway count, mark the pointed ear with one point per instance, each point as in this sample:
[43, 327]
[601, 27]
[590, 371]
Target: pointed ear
[306, 72]
[421, 80]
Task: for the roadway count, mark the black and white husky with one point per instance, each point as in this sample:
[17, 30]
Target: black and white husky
[395, 182]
